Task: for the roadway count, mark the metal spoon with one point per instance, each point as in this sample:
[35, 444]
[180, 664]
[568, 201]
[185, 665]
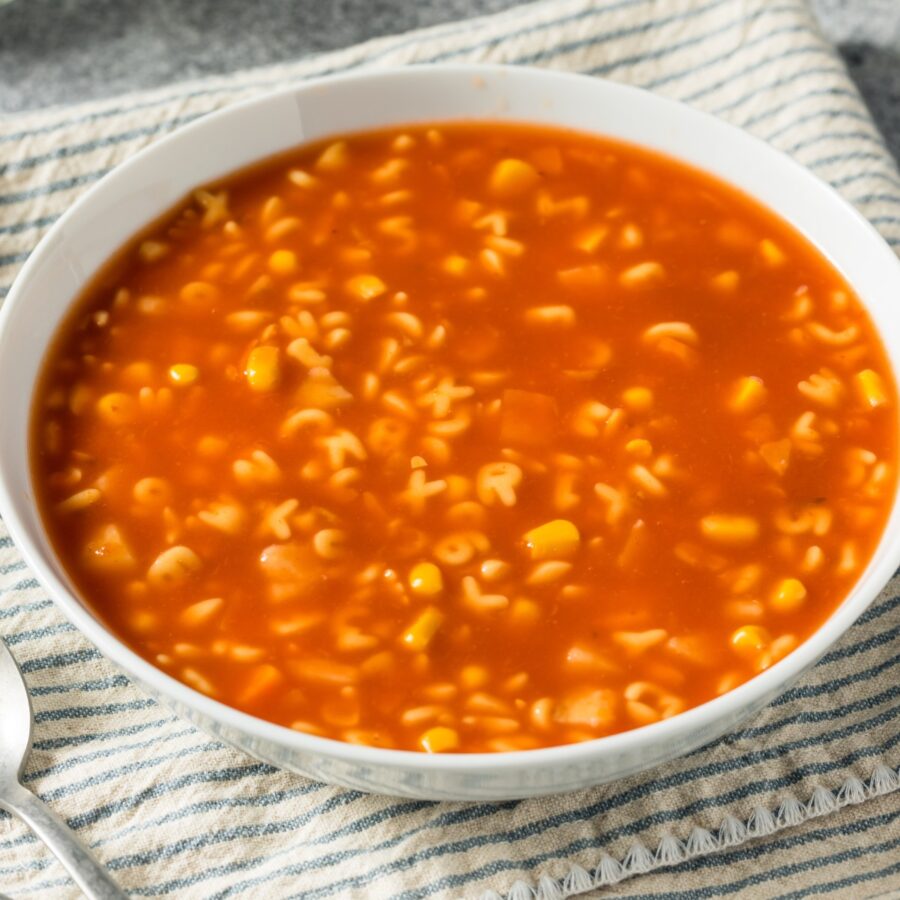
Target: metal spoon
[15, 745]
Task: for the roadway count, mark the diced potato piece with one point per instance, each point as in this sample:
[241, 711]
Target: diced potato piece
[512, 178]
[748, 395]
[108, 551]
[420, 634]
[439, 739]
[871, 388]
[426, 580]
[263, 369]
[558, 539]
[527, 418]
[788, 595]
[292, 570]
[593, 708]
[732, 530]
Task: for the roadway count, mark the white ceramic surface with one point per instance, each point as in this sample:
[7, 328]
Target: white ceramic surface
[159, 177]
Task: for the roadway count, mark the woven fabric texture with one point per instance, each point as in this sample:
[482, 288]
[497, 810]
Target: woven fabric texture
[801, 801]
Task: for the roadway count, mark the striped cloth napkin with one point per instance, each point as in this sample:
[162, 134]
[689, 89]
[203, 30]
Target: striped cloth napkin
[802, 801]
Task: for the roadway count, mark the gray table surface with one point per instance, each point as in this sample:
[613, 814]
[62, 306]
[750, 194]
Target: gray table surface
[63, 51]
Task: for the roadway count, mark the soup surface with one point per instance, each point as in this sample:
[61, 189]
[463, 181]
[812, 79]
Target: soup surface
[466, 438]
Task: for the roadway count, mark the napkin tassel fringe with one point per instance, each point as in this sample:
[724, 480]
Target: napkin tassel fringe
[732, 831]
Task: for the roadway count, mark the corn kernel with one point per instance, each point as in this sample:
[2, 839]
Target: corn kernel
[425, 579]
[439, 739]
[749, 641]
[263, 368]
[512, 177]
[639, 448]
[283, 262]
[419, 635]
[638, 399]
[728, 529]
[788, 595]
[552, 540]
[748, 395]
[183, 374]
[366, 287]
[871, 388]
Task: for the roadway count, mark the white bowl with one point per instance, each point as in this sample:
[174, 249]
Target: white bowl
[158, 178]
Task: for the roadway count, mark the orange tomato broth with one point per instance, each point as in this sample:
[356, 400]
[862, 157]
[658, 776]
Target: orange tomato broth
[470, 437]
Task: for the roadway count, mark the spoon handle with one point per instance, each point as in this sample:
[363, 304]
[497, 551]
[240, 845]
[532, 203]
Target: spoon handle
[68, 848]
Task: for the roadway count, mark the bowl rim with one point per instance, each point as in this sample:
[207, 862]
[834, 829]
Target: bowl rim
[749, 695]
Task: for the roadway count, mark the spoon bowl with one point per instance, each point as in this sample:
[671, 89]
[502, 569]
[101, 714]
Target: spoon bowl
[15, 719]
[16, 723]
